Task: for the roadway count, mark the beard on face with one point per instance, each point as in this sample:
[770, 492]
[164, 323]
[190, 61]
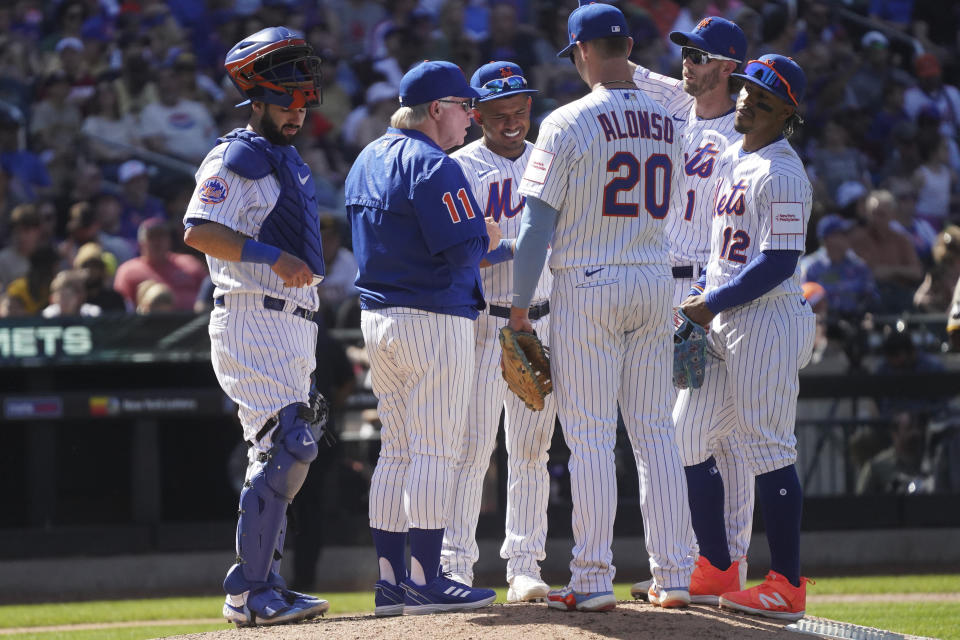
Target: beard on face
[271, 131]
[706, 82]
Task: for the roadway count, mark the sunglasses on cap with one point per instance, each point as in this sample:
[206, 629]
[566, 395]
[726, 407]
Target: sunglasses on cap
[499, 85]
[466, 105]
[767, 74]
[701, 57]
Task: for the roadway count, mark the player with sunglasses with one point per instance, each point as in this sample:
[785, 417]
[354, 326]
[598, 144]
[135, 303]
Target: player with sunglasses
[761, 334]
[494, 165]
[702, 105]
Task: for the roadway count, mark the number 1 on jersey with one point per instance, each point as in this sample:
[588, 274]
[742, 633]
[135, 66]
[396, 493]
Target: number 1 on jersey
[452, 206]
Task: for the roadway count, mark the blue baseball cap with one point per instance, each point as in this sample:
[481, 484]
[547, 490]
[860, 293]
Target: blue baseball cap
[502, 79]
[714, 35]
[435, 79]
[777, 74]
[832, 223]
[591, 21]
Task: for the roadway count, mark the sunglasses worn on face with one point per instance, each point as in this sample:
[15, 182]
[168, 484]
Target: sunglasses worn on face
[499, 85]
[701, 57]
[769, 76]
[466, 105]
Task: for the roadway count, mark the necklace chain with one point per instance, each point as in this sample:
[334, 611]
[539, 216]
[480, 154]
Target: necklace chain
[603, 84]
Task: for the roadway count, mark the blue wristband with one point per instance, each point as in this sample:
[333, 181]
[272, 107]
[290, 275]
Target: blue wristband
[259, 252]
[502, 253]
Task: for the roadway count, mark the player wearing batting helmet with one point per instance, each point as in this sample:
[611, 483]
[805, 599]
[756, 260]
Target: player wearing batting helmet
[254, 215]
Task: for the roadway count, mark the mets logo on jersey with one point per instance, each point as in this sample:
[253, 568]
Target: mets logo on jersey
[730, 203]
[701, 164]
[213, 190]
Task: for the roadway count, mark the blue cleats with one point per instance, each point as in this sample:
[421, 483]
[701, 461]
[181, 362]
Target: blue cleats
[264, 607]
[388, 599]
[443, 594]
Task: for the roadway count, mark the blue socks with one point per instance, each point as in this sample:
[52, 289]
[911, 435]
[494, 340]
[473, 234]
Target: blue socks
[705, 494]
[781, 502]
[392, 545]
[425, 547]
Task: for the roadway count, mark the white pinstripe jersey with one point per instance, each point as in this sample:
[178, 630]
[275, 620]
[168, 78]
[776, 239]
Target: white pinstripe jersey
[244, 209]
[609, 163]
[704, 141]
[762, 203]
[495, 182]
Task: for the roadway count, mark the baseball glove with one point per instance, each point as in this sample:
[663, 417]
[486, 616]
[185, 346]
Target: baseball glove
[526, 366]
[689, 352]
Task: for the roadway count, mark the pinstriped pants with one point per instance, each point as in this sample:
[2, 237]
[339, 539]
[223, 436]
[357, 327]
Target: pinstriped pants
[422, 369]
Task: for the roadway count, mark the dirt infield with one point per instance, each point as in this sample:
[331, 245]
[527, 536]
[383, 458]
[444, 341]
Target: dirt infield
[527, 622]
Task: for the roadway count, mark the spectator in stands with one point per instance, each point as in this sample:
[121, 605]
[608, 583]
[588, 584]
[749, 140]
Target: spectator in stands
[902, 358]
[109, 209]
[97, 267]
[25, 235]
[837, 162]
[904, 467]
[33, 289]
[155, 297]
[183, 274]
[68, 296]
[934, 181]
[175, 126]
[138, 204]
[919, 231]
[508, 38]
[936, 291]
[931, 91]
[403, 50]
[71, 60]
[110, 135]
[850, 287]
[868, 83]
[338, 295]
[55, 121]
[11, 307]
[28, 173]
[381, 102]
[880, 133]
[888, 252]
[83, 226]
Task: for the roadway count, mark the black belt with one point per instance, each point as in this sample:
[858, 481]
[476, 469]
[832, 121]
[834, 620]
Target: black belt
[535, 312]
[275, 304]
[685, 271]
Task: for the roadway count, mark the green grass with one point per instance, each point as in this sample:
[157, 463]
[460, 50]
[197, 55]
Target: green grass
[934, 619]
[931, 619]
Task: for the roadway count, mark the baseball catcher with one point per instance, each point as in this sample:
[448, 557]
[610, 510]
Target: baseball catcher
[526, 366]
[689, 352]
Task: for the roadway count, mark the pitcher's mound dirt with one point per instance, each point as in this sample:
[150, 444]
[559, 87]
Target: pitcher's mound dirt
[631, 620]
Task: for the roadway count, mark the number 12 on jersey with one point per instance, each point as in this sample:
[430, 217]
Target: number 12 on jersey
[734, 251]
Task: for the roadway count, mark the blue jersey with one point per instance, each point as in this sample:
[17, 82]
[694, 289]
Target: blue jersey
[407, 202]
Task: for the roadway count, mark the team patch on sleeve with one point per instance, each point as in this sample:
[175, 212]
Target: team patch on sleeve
[538, 166]
[787, 219]
[213, 190]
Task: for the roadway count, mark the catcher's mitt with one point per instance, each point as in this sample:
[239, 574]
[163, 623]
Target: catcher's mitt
[689, 352]
[526, 366]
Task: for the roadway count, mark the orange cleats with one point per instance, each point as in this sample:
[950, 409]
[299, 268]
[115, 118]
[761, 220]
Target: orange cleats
[775, 597]
[708, 583]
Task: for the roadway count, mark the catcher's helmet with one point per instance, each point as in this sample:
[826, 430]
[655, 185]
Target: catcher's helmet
[275, 65]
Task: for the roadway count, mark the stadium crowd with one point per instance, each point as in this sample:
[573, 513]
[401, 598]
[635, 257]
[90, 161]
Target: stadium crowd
[108, 106]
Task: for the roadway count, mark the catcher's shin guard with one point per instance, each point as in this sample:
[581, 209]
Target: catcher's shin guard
[264, 499]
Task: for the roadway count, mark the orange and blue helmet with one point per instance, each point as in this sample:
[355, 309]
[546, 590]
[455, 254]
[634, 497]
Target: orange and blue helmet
[277, 66]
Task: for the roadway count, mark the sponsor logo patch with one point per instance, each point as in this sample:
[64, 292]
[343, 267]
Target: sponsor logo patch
[213, 190]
